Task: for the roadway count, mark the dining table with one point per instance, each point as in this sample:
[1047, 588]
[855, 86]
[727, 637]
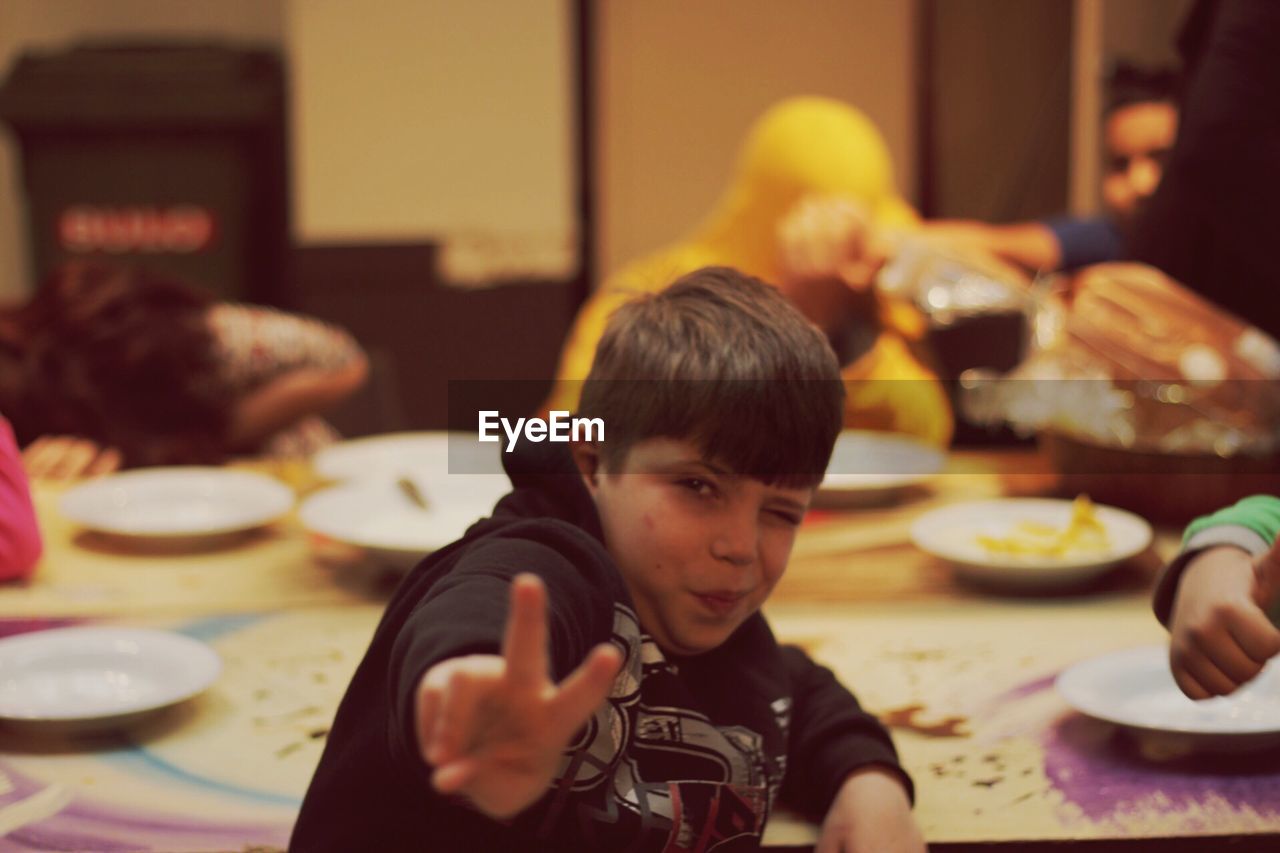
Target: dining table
[963, 676]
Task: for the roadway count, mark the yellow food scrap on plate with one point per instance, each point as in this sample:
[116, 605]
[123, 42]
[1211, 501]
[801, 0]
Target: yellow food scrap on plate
[1083, 534]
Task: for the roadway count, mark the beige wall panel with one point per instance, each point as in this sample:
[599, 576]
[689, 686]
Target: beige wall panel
[418, 119]
[680, 82]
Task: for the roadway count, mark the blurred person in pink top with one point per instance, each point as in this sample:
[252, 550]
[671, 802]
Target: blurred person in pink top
[19, 535]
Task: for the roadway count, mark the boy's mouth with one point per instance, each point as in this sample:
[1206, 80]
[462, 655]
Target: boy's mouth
[721, 602]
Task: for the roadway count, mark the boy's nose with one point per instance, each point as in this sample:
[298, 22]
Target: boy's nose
[735, 542]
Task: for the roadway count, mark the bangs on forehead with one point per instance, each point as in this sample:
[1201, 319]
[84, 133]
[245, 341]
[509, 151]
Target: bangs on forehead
[722, 360]
[779, 432]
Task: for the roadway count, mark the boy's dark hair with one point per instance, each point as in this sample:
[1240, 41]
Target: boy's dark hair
[1129, 84]
[721, 359]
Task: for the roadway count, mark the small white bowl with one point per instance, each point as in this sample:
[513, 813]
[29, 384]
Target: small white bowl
[378, 516]
[93, 678]
[175, 502]
[951, 532]
[874, 467]
[1134, 688]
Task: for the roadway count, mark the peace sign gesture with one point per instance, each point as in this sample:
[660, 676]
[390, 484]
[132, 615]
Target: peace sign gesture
[495, 726]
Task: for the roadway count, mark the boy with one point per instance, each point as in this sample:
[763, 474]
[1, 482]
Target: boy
[1215, 596]
[471, 725]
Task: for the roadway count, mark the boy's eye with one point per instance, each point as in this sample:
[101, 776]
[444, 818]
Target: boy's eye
[789, 518]
[697, 485]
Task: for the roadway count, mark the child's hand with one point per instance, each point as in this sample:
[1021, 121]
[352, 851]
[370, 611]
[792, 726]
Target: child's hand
[64, 457]
[829, 236]
[495, 727]
[871, 814]
[1220, 634]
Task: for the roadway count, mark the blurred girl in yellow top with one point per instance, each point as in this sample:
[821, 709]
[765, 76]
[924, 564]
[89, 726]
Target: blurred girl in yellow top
[813, 210]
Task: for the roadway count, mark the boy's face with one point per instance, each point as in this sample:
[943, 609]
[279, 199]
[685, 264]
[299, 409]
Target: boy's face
[1138, 138]
[699, 548]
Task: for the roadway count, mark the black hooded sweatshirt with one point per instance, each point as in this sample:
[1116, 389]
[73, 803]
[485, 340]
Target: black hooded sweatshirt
[688, 753]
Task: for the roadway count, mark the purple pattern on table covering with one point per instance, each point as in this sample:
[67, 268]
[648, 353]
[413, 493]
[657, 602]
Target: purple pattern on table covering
[106, 828]
[1031, 688]
[13, 627]
[1105, 772]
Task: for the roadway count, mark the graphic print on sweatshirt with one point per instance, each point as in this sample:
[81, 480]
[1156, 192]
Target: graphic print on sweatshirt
[650, 773]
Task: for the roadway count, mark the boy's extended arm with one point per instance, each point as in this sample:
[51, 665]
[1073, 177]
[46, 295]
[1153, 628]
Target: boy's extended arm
[830, 739]
[465, 617]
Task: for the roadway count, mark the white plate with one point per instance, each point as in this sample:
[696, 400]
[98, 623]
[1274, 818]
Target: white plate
[99, 677]
[1134, 688]
[177, 502]
[951, 533]
[873, 466]
[375, 514]
[390, 455]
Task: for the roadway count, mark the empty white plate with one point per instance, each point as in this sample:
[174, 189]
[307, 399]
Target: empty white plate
[1134, 688]
[953, 533]
[99, 677]
[177, 502]
[873, 466]
[396, 453]
[377, 515]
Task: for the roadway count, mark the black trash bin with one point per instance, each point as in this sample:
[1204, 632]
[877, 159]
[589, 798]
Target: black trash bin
[168, 155]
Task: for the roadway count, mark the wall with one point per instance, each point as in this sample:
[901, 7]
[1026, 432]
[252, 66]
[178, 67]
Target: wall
[418, 119]
[1001, 84]
[679, 83]
[390, 144]
[412, 120]
[1143, 31]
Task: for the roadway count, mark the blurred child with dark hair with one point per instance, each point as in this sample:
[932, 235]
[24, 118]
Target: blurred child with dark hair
[109, 365]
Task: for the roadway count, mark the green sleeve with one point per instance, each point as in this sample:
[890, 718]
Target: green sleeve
[1259, 513]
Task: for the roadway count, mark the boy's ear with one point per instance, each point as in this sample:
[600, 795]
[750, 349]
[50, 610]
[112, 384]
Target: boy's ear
[587, 457]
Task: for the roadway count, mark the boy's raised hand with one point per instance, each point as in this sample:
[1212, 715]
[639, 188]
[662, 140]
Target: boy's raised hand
[494, 727]
[1220, 634]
